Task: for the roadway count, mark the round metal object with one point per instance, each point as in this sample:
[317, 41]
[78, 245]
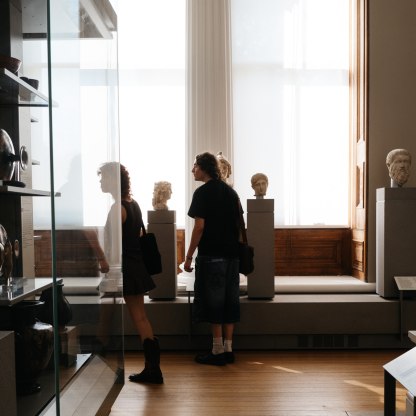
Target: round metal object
[7, 156]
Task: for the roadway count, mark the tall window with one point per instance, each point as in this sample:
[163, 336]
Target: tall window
[152, 98]
[291, 106]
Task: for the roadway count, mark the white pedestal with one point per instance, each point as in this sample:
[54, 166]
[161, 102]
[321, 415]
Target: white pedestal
[7, 374]
[260, 235]
[162, 224]
[395, 237]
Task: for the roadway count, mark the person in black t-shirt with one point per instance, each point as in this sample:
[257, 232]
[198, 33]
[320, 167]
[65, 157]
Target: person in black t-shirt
[215, 209]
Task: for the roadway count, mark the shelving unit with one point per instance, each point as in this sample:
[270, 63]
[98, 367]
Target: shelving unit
[18, 191]
[27, 95]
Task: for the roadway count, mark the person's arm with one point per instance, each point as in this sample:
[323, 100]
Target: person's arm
[123, 214]
[195, 239]
[92, 238]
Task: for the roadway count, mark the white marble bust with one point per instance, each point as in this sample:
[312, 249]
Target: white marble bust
[259, 183]
[398, 162]
[161, 193]
[225, 167]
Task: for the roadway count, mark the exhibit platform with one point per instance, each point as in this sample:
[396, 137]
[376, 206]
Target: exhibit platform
[305, 313]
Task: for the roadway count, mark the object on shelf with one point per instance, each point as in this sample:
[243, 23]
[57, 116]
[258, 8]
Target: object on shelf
[6, 258]
[64, 308]
[21, 164]
[10, 63]
[34, 83]
[7, 156]
[10, 163]
[18, 184]
[33, 345]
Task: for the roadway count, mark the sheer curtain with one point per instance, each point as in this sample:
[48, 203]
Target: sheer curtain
[290, 70]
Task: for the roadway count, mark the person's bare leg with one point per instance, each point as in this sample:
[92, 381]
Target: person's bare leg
[228, 330]
[135, 305]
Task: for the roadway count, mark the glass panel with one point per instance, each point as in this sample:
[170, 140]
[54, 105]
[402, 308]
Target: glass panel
[84, 248]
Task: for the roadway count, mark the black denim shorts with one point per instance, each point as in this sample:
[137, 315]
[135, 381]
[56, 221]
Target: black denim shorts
[217, 290]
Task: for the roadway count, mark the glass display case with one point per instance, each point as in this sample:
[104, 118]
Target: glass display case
[60, 248]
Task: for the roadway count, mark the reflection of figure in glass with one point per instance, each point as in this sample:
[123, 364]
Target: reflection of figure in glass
[92, 238]
[136, 279]
[260, 183]
[225, 167]
[161, 193]
[398, 162]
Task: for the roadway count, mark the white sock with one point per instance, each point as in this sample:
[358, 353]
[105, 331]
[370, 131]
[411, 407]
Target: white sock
[217, 346]
[228, 345]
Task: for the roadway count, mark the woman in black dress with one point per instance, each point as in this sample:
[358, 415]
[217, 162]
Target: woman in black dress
[136, 279]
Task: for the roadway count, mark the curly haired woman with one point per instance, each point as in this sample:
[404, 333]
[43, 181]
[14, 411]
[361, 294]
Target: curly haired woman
[136, 280]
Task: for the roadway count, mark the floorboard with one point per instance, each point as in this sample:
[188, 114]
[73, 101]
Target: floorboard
[282, 383]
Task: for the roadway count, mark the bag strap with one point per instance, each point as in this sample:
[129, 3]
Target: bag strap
[242, 223]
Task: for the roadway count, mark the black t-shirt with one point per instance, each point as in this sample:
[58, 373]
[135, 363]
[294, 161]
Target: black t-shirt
[218, 204]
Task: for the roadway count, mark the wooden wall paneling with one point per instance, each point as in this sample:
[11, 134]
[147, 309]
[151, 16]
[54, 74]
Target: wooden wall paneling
[312, 252]
[298, 252]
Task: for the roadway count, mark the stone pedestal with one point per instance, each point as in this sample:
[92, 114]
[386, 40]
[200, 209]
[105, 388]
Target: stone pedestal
[8, 374]
[395, 237]
[260, 235]
[163, 224]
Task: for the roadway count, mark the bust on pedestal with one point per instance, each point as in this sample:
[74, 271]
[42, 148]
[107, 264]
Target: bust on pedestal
[260, 235]
[395, 226]
[162, 222]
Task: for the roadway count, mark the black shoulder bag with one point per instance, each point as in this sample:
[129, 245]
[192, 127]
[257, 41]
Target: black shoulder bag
[151, 255]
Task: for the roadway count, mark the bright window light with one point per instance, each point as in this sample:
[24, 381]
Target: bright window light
[291, 106]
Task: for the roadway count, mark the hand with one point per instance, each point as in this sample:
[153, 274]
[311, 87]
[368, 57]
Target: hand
[187, 265]
[104, 266]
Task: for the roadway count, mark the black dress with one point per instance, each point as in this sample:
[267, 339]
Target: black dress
[136, 279]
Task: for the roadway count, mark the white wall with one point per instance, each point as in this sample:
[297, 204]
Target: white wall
[392, 94]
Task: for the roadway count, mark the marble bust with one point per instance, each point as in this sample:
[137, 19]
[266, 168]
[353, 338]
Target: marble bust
[260, 183]
[161, 193]
[398, 162]
[224, 166]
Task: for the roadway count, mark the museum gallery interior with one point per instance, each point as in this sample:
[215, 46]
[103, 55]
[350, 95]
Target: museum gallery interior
[314, 95]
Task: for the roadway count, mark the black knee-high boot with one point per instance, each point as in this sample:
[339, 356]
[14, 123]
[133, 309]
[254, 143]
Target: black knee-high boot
[151, 372]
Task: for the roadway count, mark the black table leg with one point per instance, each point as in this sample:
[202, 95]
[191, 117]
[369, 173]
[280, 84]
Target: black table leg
[389, 394]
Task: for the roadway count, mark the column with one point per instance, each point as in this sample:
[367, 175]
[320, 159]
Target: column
[163, 224]
[260, 235]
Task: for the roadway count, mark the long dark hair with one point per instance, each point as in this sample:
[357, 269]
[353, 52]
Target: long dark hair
[110, 169]
[125, 185]
[209, 164]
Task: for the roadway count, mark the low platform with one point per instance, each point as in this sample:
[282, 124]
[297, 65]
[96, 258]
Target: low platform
[306, 312]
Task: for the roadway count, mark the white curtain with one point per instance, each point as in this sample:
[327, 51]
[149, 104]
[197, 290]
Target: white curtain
[209, 115]
[291, 106]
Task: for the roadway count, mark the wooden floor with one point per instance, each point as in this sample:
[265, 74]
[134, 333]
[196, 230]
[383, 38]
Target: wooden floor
[261, 383]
